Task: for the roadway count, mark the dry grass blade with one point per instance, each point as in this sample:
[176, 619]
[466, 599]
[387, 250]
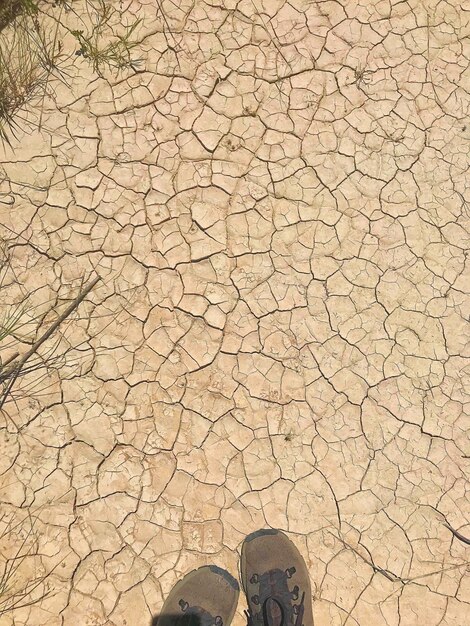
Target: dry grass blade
[12, 321]
[117, 53]
[9, 9]
[30, 52]
[27, 57]
[9, 374]
[10, 371]
[18, 547]
[458, 535]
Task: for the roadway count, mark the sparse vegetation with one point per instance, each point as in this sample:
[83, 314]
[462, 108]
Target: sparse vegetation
[18, 362]
[31, 53]
[31, 50]
[28, 56]
[24, 580]
[116, 53]
[19, 551]
[9, 9]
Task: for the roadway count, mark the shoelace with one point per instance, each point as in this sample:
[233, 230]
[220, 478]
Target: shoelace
[266, 619]
[194, 619]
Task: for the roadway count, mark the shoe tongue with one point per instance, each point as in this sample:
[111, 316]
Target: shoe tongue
[273, 613]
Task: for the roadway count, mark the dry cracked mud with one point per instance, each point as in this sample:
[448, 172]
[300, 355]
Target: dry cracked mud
[277, 201]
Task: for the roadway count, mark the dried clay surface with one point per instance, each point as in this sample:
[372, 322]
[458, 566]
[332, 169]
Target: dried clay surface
[277, 200]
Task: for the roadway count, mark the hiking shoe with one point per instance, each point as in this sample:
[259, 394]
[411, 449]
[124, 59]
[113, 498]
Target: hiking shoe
[275, 580]
[206, 596]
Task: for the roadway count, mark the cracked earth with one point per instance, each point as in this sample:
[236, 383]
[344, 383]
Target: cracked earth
[277, 202]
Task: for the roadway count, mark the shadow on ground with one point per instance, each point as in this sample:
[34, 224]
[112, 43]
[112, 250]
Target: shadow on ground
[176, 620]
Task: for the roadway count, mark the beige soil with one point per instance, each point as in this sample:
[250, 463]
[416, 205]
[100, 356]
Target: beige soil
[278, 205]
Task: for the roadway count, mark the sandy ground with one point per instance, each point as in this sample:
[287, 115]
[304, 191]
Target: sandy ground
[278, 205]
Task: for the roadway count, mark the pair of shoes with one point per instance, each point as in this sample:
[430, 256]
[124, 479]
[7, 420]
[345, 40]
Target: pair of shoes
[274, 578]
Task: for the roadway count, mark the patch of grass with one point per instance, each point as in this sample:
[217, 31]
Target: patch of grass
[116, 54]
[16, 364]
[9, 9]
[10, 316]
[28, 56]
[31, 50]
[18, 547]
[12, 321]
[25, 572]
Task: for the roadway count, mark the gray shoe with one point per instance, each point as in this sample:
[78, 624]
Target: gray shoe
[207, 596]
[275, 580]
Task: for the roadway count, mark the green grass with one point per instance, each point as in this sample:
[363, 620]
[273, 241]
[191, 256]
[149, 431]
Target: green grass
[117, 53]
[28, 57]
[9, 9]
[31, 50]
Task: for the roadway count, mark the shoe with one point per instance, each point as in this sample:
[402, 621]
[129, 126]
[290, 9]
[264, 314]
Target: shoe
[207, 596]
[275, 580]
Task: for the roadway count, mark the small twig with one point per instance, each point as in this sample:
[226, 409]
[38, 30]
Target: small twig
[404, 581]
[11, 599]
[389, 575]
[457, 534]
[16, 367]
